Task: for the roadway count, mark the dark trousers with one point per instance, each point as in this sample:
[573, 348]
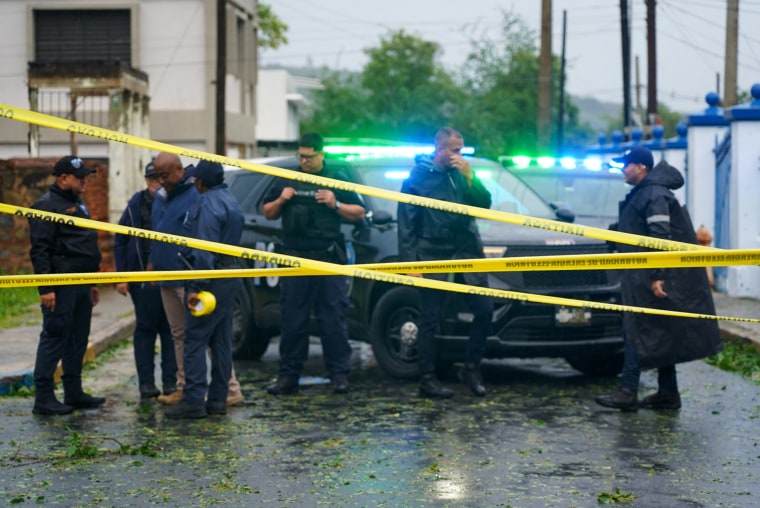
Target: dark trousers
[214, 332]
[328, 295]
[631, 374]
[64, 336]
[430, 315]
[150, 321]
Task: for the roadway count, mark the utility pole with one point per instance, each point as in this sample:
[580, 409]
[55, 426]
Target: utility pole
[626, 46]
[638, 87]
[221, 76]
[561, 115]
[545, 77]
[732, 48]
[651, 63]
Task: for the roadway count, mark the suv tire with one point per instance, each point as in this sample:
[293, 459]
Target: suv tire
[597, 366]
[398, 307]
[248, 343]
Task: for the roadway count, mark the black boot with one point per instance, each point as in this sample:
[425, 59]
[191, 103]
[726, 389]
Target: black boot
[285, 385]
[470, 375]
[51, 407]
[186, 410]
[623, 399]
[431, 388]
[339, 384]
[83, 401]
[662, 400]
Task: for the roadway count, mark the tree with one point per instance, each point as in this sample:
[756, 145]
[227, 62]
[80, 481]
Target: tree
[402, 94]
[272, 30]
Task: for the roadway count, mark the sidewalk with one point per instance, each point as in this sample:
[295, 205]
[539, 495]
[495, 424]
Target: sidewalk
[113, 321]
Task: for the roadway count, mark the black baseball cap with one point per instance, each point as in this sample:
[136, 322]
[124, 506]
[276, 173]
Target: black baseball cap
[73, 166]
[150, 170]
[636, 155]
[207, 172]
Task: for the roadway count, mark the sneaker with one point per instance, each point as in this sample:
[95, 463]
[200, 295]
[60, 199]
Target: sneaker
[149, 391]
[470, 375]
[431, 388]
[171, 399]
[52, 407]
[285, 385]
[235, 399]
[186, 410]
[661, 400]
[623, 399]
[84, 401]
[215, 407]
[339, 384]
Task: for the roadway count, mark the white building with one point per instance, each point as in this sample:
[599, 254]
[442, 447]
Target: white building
[143, 67]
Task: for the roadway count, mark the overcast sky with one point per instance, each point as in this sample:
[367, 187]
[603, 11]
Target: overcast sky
[690, 39]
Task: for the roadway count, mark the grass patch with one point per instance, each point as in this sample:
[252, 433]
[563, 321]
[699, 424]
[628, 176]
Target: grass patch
[740, 356]
[14, 304]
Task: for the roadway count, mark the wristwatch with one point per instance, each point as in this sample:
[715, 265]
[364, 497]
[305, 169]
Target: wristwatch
[337, 205]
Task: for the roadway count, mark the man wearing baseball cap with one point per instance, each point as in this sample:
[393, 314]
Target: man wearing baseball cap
[66, 310]
[216, 217]
[653, 341]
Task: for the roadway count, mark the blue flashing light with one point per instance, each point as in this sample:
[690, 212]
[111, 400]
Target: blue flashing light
[396, 175]
[568, 163]
[592, 164]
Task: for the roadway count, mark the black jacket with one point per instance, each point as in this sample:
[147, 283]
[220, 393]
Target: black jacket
[651, 209]
[62, 248]
[426, 234]
[131, 252]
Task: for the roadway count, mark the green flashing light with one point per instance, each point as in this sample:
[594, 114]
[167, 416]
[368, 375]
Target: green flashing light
[521, 161]
[545, 162]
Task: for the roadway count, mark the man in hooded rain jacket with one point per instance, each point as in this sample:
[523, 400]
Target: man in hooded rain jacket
[653, 341]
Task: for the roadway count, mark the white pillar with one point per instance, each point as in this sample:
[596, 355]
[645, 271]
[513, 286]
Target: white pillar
[744, 281]
[706, 130]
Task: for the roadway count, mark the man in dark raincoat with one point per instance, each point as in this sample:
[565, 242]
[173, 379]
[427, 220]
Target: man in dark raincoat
[652, 341]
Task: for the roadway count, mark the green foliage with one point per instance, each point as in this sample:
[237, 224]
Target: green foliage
[403, 93]
[272, 30]
[615, 497]
[15, 302]
[739, 356]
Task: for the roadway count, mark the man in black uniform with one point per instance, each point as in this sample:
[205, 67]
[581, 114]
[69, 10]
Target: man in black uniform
[66, 310]
[311, 219]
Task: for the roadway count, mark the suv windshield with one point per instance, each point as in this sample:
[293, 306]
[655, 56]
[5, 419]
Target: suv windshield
[508, 193]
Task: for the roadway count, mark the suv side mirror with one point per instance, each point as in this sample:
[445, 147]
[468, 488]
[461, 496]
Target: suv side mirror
[381, 217]
[562, 211]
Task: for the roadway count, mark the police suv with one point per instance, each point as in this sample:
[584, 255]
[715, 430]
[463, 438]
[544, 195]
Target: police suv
[386, 315]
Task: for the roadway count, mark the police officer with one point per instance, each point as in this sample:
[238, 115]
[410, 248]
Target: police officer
[311, 219]
[215, 217]
[66, 310]
[131, 253]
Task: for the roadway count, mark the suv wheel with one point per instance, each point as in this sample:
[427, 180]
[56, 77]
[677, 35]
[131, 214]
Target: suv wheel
[598, 366]
[394, 332]
[248, 343]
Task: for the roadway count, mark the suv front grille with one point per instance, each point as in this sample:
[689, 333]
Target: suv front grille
[547, 280]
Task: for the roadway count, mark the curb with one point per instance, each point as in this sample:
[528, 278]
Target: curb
[99, 342]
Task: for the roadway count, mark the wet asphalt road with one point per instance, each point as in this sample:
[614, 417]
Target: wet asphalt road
[536, 440]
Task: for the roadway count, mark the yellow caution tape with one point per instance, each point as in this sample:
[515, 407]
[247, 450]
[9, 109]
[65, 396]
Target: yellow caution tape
[329, 268]
[644, 260]
[24, 115]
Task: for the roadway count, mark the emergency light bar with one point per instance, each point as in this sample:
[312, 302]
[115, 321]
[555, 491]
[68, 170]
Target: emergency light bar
[569, 163]
[369, 151]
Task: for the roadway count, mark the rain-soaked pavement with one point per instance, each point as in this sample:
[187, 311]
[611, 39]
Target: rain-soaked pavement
[536, 440]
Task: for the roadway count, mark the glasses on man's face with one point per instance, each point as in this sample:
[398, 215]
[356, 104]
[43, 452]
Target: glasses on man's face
[307, 157]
